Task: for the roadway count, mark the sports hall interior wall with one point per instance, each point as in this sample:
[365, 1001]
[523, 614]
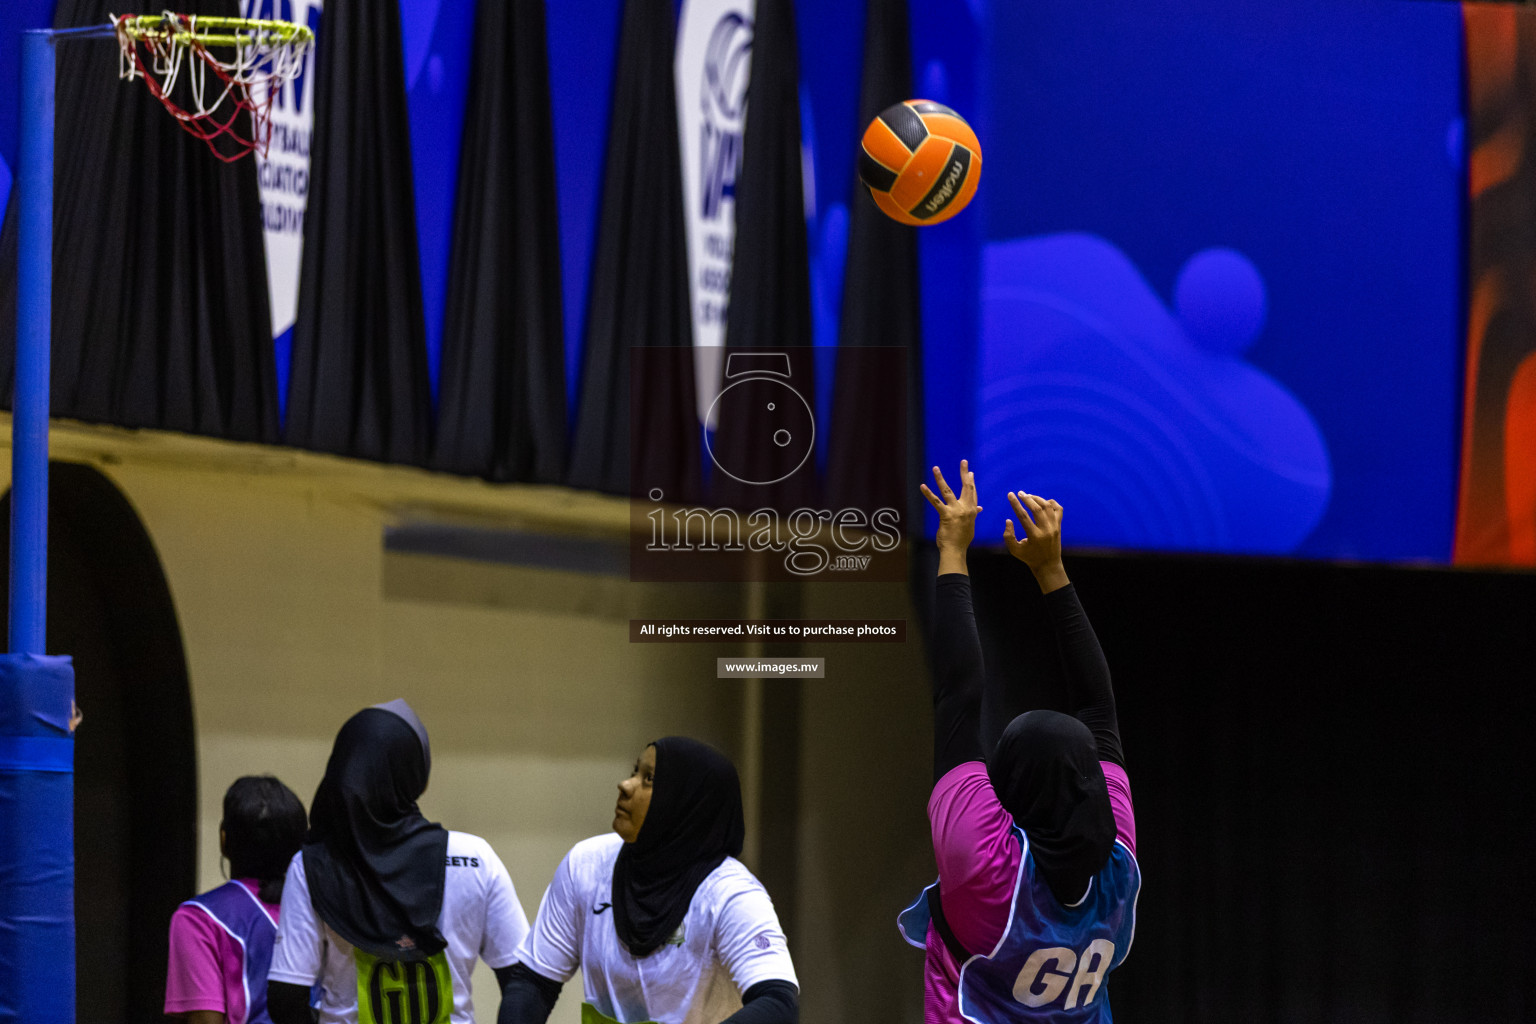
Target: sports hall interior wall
[1329, 761]
[293, 614]
[1172, 171]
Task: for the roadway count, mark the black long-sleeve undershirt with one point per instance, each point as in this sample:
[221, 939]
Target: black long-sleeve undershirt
[768, 1002]
[959, 674]
[288, 1004]
[1091, 693]
[528, 997]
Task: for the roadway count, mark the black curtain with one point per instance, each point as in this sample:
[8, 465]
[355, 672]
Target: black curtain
[502, 410]
[770, 302]
[639, 308]
[1333, 779]
[880, 309]
[160, 314]
[359, 384]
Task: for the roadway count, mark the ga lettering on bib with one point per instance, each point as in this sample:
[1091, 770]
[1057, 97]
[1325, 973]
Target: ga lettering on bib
[1051, 959]
[403, 991]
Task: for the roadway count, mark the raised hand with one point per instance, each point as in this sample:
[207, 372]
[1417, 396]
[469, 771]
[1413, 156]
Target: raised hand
[1040, 547]
[957, 517]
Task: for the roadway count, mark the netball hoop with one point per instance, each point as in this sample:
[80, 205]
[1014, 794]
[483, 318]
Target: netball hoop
[231, 112]
[249, 61]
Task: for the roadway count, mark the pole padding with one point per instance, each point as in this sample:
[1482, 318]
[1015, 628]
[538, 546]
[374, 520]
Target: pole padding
[37, 840]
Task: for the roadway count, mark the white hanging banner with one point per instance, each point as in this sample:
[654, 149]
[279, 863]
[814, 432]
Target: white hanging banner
[283, 173]
[712, 68]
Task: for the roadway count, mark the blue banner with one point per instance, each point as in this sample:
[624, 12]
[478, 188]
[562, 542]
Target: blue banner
[1219, 294]
[436, 35]
[16, 16]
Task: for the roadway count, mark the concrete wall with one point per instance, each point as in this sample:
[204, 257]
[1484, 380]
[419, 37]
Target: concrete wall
[294, 615]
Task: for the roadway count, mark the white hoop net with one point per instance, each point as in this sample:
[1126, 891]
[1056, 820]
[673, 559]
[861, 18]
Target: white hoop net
[170, 50]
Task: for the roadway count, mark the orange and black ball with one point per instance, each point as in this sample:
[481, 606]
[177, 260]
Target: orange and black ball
[920, 161]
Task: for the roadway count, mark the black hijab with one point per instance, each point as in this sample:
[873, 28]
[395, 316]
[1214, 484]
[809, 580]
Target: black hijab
[693, 824]
[1046, 773]
[375, 866]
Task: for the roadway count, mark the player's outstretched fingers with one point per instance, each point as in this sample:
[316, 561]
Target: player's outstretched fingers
[933, 499]
[968, 490]
[1057, 511]
[1044, 517]
[1049, 511]
[944, 488]
[1025, 520]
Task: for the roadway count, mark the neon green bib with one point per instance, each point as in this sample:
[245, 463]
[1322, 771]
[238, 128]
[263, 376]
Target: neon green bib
[591, 1015]
[403, 992]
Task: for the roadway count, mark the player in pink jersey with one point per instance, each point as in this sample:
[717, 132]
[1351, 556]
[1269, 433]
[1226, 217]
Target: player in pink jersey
[1035, 837]
[221, 941]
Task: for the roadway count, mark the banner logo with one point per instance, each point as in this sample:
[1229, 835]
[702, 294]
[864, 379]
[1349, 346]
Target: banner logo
[283, 174]
[712, 70]
[726, 63]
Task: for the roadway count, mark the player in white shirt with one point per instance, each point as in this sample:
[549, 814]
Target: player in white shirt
[665, 924]
[385, 910]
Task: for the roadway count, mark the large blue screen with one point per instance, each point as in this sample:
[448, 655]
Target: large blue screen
[1217, 297]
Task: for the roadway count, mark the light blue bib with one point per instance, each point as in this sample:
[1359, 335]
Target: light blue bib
[1052, 962]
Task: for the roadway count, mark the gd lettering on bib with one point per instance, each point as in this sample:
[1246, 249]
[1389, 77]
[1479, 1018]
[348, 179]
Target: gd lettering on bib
[592, 1015]
[403, 992]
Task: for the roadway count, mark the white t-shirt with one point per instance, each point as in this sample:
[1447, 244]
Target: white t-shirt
[729, 941]
[481, 917]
